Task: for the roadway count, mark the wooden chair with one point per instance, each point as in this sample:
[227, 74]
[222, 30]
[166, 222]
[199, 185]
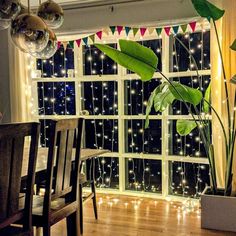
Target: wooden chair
[12, 137]
[61, 198]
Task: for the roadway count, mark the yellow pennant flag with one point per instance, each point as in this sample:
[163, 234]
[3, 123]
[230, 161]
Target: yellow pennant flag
[151, 30]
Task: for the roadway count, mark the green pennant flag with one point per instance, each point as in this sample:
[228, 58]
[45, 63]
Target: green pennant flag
[92, 37]
[71, 43]
[113, 29]
[184, 28]
[175, 29]
[158, 30]
[127, 29]
[85, 40]
[135, 31]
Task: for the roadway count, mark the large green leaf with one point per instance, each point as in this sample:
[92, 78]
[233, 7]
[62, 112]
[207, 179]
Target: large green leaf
[163, 99]
[233, 46]
[151, 101]
[207, 9]
[134, 57]
[182, 92]
[207, 99]
[185, 127]
[233, 80]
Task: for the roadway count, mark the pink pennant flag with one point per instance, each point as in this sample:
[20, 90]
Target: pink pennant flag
[142, 31]
[99, 34]
[193, 25]
[58, 44]
[119, 29]
[167, 30]
[78, 42]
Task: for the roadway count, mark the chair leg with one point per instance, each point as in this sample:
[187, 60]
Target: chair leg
[73, 224]
[81, 208]
[46, 230]
[94, 200]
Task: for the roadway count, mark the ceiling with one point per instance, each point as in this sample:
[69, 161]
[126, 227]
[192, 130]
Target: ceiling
[83, 3]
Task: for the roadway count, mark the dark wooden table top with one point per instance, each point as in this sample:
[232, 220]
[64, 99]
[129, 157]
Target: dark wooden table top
[41, 165]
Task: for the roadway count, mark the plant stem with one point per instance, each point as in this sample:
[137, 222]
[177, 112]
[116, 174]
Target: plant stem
[225, 81]
[206, 144]
[221, 124]
[198, 78]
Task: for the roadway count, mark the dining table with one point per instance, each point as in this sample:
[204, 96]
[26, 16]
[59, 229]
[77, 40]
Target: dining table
[41, 165]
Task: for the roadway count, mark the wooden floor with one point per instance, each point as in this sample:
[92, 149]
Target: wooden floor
[130, 216]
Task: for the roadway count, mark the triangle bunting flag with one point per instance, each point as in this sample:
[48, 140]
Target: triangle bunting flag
[158, 30]
[99, 34]
[113, 29]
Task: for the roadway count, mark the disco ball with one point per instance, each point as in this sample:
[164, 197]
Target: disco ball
[51, 13]
[29, 33]
[4, 24]
[23, 9]
[9, 9]
[50, 49]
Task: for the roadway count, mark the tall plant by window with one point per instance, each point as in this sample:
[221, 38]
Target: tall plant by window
[143, 61]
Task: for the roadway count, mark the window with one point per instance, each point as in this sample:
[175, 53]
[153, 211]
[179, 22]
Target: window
[112, 100]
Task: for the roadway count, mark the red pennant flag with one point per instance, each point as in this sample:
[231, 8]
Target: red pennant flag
[58, 44]
[193, 25]
[142, 31]
[119, 29]
[167, 30]
[78, 42]
[99, 34]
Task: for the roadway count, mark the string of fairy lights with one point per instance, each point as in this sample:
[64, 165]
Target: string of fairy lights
[101, 98]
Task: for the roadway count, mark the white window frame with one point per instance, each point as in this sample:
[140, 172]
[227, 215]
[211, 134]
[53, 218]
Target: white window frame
[121, 117]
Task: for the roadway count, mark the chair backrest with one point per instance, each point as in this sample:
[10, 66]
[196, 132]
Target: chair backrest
[59, 178]
[12, 137]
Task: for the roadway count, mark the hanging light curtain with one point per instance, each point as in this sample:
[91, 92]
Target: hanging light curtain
[227, 34]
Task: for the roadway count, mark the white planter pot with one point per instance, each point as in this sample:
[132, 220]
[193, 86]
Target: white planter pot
[218, 212]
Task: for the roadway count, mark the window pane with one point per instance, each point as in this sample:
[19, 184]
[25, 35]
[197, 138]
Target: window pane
[143, 140]
[143, 175]
[188, 179]
[56, 98]
[137, 94]
[58, 65]
[44, 132]
[179, 108]
[199, 46]
[106, 172]
[97, 63]
[100, 98]
[190, 145]
[102, 134]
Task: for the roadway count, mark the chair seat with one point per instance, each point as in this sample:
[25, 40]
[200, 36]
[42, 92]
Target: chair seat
[13, 231]
[57, 207]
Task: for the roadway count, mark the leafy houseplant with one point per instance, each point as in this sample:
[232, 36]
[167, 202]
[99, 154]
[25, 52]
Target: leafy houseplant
[143, 61]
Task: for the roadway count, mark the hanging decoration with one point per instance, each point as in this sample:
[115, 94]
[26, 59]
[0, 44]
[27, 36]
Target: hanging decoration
[4, 24]
[29, 33]
[51, 13]
[142, 30]
[50, 49]
[9, 9]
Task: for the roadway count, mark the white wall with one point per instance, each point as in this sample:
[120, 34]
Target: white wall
[150, 12]
[4, 77]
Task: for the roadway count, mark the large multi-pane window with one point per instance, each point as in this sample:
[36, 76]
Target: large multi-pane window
[85, 82]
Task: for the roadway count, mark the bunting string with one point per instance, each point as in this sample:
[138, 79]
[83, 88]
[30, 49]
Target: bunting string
[169, 30]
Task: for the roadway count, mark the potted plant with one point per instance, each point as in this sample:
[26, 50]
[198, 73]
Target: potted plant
[218, 205]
